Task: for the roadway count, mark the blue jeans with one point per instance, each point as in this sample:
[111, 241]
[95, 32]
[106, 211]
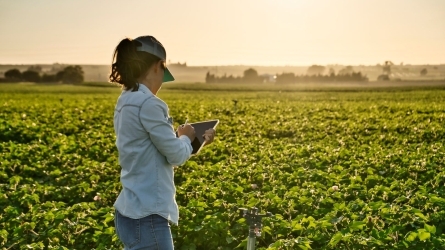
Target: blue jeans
[148, 233]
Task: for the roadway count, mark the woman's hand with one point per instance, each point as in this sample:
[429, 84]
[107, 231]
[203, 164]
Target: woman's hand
[187, 130]
[209, 136]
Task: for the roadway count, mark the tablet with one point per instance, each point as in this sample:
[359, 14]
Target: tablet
[200, 128]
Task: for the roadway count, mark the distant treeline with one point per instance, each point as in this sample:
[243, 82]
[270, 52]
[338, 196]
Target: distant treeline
[70, 74]
[249, 76]
[315, 74]
[289, 78]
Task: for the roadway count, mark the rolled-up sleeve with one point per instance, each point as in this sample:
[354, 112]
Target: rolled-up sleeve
[152, 116]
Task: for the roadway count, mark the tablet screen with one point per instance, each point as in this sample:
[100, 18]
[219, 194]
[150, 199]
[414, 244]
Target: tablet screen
[200, 128]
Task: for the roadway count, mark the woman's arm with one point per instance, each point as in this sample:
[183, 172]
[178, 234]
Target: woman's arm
[153, 116]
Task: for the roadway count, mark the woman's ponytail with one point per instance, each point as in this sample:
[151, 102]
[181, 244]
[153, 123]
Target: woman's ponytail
[129, 64]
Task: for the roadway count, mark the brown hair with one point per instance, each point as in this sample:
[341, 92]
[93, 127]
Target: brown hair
[129, 64]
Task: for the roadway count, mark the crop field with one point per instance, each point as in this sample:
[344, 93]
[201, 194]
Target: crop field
[338, 169]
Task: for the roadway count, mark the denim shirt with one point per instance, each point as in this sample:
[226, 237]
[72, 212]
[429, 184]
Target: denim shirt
[148, 149]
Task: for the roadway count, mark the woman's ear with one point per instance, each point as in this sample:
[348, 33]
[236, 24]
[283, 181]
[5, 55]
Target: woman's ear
[159, 65]
[154, 68]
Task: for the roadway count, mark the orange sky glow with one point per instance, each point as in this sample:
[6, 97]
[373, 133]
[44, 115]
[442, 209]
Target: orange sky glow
[230, 32]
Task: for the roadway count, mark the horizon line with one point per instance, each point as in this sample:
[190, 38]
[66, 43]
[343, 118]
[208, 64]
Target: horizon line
[230, 65]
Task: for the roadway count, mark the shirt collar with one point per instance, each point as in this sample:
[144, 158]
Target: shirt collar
[144, 89]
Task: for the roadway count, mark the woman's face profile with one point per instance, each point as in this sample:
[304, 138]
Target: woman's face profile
[155, 75]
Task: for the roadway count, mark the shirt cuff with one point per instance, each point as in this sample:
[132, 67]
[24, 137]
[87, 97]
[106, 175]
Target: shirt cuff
[184, 137]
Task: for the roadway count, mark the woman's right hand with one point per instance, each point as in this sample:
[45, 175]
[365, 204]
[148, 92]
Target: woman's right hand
[187, 130]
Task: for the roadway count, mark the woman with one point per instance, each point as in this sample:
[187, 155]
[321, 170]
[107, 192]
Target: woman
[147, 144]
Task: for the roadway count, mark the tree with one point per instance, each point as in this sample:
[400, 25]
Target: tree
[316, 70]
[59, 76]
[56, 68]
[347, 70]
[423, 72]
[13, 75]
[210, 78]
[31, 76]
[71, 74]
[35, 68]
[251, 75]
[48, 78]
[285, 78]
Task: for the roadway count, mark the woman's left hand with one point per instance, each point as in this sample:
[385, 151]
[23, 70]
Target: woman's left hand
[209, 136]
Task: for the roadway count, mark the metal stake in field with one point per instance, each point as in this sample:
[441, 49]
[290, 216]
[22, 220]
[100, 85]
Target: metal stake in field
[254, 220]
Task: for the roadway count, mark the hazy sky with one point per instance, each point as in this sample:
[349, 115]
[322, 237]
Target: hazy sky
[226, 32]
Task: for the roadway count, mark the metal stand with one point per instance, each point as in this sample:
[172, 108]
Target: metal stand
[253, 220]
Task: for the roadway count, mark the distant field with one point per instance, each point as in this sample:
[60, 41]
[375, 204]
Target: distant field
[361, 86]
[348, 86]
[341, 167]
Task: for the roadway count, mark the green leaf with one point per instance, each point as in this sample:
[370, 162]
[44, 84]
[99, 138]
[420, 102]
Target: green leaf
[241, 220]
[109, 231]
[437, 200]
[376, 205]
[357, 225]
[296, 226]
[430, 229]
[242, 244]
[108, 218]
[411, 236]
[267, 230]
[4, 233]
[229, 239]
[420, 215]
[337, 220]
[335, 239]
[423, 235]
[339, 206]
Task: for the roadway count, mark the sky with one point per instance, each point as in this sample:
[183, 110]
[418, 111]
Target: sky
[226, 32]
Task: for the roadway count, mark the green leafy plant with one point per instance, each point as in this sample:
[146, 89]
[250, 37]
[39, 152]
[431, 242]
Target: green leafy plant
[340, 170]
